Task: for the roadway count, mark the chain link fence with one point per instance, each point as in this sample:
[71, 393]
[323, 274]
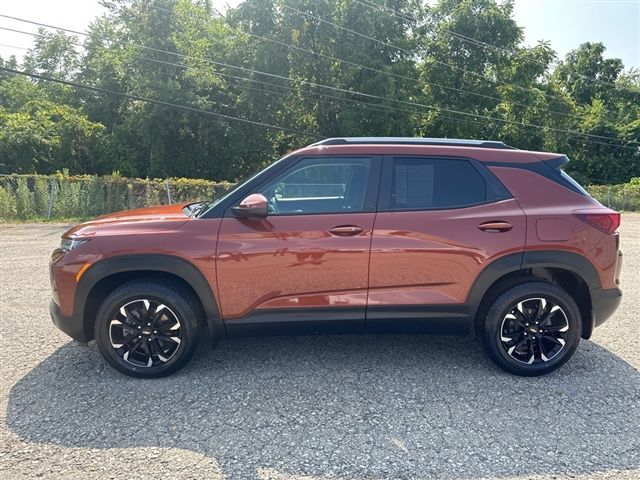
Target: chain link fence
[60, 197]
[63, 197]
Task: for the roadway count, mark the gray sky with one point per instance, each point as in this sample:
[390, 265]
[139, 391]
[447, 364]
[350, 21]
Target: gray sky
[565, 23]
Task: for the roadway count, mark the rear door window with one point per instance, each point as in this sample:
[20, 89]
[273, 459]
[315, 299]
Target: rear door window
[424, 183]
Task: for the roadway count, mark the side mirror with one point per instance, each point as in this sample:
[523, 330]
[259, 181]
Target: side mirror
[254, 206]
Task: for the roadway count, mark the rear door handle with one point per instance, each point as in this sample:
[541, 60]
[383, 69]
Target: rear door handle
[495, 226]
[346, 230]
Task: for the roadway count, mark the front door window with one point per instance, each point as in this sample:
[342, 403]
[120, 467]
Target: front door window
[320, 185]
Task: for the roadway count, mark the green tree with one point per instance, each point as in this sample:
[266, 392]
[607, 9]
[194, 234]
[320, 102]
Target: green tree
[455, 68]
[607, 104]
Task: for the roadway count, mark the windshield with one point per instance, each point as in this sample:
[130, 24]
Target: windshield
[208, 205]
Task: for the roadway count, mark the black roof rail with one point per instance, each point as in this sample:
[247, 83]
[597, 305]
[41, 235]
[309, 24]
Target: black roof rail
[450, 142]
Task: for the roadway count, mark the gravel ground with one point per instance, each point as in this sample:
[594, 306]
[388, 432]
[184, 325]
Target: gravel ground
[312, 408]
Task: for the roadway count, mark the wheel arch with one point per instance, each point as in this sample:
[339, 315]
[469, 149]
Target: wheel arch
[573, 272]
[105, 275]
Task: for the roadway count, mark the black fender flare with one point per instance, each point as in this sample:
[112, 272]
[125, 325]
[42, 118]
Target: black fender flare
[572, 262]
[578, 265]
[490, 274]
[164, 263]
[515, 262]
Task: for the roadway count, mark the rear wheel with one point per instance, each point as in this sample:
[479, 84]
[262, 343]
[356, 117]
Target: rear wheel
[532, 329]
[147, 329]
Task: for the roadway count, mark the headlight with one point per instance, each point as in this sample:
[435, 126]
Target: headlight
[68, 244]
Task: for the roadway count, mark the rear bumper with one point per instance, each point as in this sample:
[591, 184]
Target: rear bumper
[604, 303]
[72, 326]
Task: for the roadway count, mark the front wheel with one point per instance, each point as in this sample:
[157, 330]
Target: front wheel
[532, 329]
[147, 329]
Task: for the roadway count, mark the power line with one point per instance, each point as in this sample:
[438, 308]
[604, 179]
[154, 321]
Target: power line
[346, 91]
[415, 104]
[182, 107]
[425, 82]
[387, 44]
[384, 8]
[313, 95]
[24, 32]
[17, 31]
[12, 46]
[155, 101]
[404, 77]
[490, 46]
[412, 79]
[310, 95]
[354, 32]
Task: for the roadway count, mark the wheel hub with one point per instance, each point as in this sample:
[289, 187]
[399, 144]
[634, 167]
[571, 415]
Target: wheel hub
[534, 330]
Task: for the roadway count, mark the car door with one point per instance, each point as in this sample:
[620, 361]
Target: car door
[305, 266]
[440, 222]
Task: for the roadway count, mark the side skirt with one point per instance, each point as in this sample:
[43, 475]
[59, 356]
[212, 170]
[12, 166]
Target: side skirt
[298, 321]
[437, 319]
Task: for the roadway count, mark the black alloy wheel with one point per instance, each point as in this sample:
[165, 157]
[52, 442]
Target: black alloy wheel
[145, 332]
[147, 328]
[532, 328]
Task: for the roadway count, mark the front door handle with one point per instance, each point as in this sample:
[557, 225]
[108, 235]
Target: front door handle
[495, 226]
[346, 230]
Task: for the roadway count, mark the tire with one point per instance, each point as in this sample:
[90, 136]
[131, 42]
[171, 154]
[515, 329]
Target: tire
[147, 328]
[519, 345]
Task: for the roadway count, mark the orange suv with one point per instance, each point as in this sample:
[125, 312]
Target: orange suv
[352, 235]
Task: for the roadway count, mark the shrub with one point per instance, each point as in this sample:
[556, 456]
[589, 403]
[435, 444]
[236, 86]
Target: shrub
[624, 197]
[24, 199]
[27, 197]
[8, 209]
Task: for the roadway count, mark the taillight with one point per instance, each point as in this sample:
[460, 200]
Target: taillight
[605, 222]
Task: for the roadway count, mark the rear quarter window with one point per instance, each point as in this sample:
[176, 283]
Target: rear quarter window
[567, 178]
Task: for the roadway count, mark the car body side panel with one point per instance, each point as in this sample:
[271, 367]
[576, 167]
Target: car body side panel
[434, 256]
[292, 262]
[158, 231]
[193, 241]
[552, 226]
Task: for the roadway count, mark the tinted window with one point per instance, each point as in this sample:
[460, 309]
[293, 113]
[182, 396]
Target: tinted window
[320, 185]
[432, 183]
[573, 183]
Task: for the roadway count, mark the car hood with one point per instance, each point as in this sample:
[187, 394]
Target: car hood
[151, 219]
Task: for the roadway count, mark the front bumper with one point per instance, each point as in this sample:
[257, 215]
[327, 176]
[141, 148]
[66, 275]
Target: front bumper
[72, 326]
